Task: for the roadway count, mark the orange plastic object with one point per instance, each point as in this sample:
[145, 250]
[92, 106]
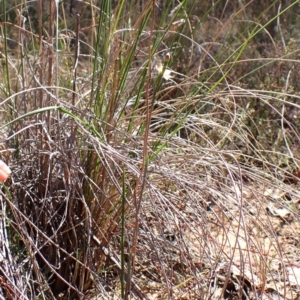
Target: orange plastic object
[4, 171]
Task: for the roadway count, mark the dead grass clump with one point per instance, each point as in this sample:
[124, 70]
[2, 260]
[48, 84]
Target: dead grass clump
[153, 157]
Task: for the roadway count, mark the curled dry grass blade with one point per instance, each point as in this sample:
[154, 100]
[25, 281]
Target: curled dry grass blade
[158, 159]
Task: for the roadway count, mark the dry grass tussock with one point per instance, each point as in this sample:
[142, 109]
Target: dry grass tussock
[152, 157]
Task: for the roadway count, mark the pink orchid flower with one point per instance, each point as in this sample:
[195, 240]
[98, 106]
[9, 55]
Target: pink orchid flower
[4, 171]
